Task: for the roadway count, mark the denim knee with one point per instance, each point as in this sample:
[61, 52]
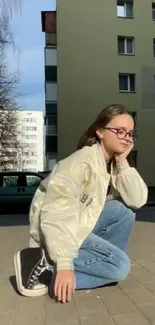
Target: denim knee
[130, 215]
[127, 212]
[123, 268]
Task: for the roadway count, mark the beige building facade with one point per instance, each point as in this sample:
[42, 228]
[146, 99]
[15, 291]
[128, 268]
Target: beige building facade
[106, 55]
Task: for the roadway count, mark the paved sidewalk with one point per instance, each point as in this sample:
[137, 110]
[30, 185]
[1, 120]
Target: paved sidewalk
[132, 302]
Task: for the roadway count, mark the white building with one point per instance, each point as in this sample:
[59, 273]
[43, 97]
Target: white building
[32, 139]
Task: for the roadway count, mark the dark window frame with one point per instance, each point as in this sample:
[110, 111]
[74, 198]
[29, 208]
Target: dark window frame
[129, 81]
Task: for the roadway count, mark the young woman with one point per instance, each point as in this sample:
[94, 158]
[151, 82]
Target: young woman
[82, 215]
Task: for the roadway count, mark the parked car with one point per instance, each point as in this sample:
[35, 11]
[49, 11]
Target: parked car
[17, 190]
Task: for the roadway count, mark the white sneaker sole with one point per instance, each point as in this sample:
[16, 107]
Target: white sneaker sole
[26, 292]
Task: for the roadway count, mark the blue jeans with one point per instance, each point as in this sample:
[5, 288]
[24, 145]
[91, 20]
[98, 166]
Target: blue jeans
[102, 258]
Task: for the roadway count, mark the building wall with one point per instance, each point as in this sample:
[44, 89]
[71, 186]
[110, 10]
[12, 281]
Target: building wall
[49, 27]
[32, 137]
[88, 69]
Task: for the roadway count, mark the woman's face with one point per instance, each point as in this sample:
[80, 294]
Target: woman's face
[114, 137]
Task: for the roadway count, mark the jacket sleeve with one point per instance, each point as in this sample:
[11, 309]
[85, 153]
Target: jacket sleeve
[34, 214]
[59, 216]
[131, 186]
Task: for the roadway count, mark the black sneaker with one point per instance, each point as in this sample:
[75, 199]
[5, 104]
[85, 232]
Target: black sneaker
[32, 272]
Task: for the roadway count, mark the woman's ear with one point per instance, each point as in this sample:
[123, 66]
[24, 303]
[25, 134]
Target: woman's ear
[99, 134]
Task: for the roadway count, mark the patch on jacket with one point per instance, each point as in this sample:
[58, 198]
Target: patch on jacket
[85, 198]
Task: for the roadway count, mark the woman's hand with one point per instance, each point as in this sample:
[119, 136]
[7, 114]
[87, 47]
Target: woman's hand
[64, 285]
[122, 157]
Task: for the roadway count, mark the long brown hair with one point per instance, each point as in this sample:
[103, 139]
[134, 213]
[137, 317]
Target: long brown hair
[107, 114]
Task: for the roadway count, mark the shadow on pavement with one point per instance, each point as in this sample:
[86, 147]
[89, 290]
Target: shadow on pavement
[12, 280]
[146, 214]
[14, 220]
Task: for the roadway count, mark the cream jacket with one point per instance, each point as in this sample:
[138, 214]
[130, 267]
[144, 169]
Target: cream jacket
[69, 201]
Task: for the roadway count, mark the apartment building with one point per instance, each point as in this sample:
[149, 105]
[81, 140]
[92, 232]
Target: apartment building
[31, 127]
[50, 54]
[105, 55]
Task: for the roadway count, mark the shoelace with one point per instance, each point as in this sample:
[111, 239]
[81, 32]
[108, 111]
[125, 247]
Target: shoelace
[41, 267]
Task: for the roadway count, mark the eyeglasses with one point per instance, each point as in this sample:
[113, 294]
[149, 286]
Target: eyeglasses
[122, 134]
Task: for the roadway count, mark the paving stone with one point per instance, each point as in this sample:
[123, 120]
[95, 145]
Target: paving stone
[150, 286]
[30, 311]
[149, 311]
[149, 265]
[130, 284]
[119, 306]
[96, 319]
[143, 275]
[109, 292]
[141, 296]
[60, 313]
[88, 302]
[8, 299]
[6, 318]
[132, 319]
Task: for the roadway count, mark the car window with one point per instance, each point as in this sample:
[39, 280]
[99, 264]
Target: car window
[9, 181]
[33, 180]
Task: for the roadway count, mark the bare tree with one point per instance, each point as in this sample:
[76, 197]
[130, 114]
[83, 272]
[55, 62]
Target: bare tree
[10, 143]
[7, 7]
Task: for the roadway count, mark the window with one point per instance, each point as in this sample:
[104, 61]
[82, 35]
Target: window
[29, 169]
[28, 137]
[29, 128]
[11, 154]
[51, 73]
[33, 153]
[25, 154]
[29, 154]
[33, 145]
[127, 82]
[26, 145]
[30, 162]
[51, 108]
[126, 45]
[125, 8]
[29, 120]
[153, 10]
[33, 180]
[51, 125]
[10, 181]
[154, 47]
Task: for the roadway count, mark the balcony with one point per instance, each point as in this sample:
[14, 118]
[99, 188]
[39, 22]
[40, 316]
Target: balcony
[51, 92]
[51, 130]
[50, 56]
[51, 40]
[51, 73]
[51, 108]
[51, 143]
[48, 21]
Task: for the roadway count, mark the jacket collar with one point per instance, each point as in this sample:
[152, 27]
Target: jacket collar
[98, 154]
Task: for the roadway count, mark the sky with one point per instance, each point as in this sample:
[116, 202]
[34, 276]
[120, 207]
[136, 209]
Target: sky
[28, 56]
